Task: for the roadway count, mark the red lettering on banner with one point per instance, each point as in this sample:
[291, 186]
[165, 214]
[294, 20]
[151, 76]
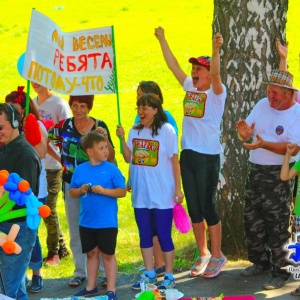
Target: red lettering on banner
[83, 62]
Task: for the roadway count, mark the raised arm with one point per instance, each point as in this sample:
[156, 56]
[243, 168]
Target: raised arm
[282, 52]
[215, 74]
[288, 173]
[169, 57]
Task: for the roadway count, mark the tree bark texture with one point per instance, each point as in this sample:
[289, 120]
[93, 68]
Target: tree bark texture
[248, 54]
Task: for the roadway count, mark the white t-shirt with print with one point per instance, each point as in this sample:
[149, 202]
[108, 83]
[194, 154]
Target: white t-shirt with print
[56, 109]
[151, 171]
[201, 127]
[277, 126]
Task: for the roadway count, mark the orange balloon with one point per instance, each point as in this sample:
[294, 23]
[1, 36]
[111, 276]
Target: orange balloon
[44, 211]
[23, 185]
[9, 247]
[4, 172]
[3, 178]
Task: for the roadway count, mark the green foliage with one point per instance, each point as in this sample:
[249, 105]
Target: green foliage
[188, 29]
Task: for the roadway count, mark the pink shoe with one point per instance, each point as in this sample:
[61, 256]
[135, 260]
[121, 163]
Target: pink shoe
[219, 263]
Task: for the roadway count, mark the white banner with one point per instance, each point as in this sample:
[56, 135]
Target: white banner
[72, 63]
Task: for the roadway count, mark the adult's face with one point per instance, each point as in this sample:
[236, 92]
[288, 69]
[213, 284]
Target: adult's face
[201, 77]
[80, 110]
[7, 133]
[147, 114]
[279, 98]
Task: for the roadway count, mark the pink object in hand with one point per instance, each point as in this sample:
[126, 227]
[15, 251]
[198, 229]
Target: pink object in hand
[181, 219]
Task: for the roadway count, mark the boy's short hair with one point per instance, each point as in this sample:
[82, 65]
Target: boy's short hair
[91, 138]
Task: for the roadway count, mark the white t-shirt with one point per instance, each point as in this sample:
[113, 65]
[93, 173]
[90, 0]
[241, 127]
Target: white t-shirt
[276, 126]
[151, 171]
[56, 109]
[201, 127]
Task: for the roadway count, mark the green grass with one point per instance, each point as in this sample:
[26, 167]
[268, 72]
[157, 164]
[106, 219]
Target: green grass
[188, 29]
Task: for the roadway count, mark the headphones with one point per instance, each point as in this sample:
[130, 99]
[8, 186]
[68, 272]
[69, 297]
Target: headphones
[14, 123]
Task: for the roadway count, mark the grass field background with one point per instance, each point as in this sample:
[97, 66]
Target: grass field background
[188, 28]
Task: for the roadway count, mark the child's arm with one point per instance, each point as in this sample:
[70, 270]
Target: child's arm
[114, 193]
[287, 172]
[178, 197]
[77, 192]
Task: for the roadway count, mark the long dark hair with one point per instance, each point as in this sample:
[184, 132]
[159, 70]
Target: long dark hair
[160, 117]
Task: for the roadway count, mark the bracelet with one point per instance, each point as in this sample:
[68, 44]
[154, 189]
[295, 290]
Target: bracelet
[240, 138]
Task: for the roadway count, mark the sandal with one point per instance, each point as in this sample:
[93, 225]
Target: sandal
[296, 292]
[198, 270]
[219, 263]
[76, 281]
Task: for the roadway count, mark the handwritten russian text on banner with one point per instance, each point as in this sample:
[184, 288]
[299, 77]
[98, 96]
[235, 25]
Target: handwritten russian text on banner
[73, 63]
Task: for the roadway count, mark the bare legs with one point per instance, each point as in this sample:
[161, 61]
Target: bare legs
[215, 233]
[110, 265]
[148, 259]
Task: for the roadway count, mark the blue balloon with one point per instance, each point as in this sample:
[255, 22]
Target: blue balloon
[20, 64]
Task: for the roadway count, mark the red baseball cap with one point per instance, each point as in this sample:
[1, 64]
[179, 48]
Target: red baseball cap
[201, 60]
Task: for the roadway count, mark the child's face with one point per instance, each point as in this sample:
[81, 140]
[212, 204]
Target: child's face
[100, 151]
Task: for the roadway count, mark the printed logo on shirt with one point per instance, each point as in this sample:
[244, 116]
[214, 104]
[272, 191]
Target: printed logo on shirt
[145, 152]
[194, 104]
[279, 130]
[293, 258]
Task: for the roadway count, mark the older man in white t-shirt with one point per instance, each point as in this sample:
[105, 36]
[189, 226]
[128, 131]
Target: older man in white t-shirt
[272, 124]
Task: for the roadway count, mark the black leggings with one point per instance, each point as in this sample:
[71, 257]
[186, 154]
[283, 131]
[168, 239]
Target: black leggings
[200, 175]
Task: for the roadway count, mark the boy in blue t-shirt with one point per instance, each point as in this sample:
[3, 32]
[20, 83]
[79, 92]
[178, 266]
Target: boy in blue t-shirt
[98, 183]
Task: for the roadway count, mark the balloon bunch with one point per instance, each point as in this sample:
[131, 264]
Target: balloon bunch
[19, 192]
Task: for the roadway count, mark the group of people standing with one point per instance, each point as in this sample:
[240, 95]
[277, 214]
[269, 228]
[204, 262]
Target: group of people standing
[79, 150]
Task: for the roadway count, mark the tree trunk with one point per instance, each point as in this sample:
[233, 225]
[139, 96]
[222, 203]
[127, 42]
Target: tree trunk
[248, 54]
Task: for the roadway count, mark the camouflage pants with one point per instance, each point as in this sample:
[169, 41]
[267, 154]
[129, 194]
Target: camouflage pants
[267, 216]
[55, 238]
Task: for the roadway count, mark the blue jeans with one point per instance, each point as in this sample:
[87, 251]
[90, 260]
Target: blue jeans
[13, 267]
[36, 260]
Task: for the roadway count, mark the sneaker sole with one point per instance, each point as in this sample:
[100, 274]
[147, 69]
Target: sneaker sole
[32, 291]
[88, 295]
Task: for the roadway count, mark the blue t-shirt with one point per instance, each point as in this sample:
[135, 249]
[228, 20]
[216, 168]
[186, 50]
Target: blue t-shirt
[171, 120]
[98, 211]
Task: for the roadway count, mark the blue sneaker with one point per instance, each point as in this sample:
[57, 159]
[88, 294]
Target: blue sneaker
[84, 293]
[111, 295]
[36, 284]
[144, 279]
[167, 284]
